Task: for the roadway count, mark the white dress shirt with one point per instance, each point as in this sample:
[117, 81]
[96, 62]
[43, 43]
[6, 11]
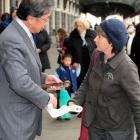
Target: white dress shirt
[129, 44]
[20, 22]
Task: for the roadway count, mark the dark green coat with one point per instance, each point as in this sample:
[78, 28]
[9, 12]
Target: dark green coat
[111, 94]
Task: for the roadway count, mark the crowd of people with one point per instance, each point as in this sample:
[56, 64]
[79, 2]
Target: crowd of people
[101, 64]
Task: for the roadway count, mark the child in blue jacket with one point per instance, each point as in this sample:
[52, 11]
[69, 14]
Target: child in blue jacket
[65, 71]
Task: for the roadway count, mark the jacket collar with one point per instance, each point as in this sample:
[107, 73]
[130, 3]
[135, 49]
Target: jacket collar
[117, 59]
[27, 42]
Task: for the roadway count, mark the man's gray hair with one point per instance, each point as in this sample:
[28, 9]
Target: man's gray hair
[35, 8]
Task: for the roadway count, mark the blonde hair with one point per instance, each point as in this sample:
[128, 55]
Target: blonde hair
[84, 21]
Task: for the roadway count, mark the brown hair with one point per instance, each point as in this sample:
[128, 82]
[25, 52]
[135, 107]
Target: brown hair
[99, 31]
[62, 34]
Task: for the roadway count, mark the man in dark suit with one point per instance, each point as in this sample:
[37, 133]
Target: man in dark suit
[21, 96]
[43, 44]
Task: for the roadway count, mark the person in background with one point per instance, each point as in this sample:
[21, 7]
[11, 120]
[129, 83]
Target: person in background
[5, 20]
[110, 91]
[131, 32]
[135, 49]
[43, 44]
[66, 72]
[22, 97]
[62, 38]
[81, 45]
[13, 11]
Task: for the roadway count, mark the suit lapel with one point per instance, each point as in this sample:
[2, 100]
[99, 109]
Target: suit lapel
[27, 42]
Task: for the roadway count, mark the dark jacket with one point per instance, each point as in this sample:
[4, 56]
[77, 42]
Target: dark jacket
[111, 94]
[43, 42]
[135, 49]
[1, 27]
[75, 44]
[81, 54]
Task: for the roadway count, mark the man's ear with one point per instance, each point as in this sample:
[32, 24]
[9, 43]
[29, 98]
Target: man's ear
[30, 18]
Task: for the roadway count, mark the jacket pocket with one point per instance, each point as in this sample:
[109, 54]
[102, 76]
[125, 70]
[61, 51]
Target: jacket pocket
[114, 115]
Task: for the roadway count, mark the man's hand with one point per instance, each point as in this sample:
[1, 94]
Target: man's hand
[52, 100]
[52, 79]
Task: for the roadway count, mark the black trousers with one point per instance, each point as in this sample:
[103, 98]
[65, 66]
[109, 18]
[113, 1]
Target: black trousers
[99, 134]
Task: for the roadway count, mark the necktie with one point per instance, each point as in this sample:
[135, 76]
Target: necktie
[33, 42]
[34, 37]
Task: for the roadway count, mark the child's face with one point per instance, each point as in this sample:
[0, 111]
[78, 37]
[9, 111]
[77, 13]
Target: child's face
[67, 61]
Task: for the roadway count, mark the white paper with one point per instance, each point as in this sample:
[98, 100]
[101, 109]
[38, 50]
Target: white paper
[54, 113]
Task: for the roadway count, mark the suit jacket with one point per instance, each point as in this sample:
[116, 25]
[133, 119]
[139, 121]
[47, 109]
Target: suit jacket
[21, 96]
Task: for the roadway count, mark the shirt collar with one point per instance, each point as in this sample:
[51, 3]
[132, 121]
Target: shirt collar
[20, 22]
[83, 34]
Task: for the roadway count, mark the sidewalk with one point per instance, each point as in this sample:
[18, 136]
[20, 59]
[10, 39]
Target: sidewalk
[59, 129]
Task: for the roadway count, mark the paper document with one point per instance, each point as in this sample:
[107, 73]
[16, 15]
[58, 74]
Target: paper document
[54, 113]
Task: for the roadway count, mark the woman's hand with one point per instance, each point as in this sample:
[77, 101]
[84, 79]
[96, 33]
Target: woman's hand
[71, 103]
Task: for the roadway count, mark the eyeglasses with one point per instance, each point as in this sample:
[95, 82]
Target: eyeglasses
[44, 19]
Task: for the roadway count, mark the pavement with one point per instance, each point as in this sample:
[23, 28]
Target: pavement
[58, 129]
